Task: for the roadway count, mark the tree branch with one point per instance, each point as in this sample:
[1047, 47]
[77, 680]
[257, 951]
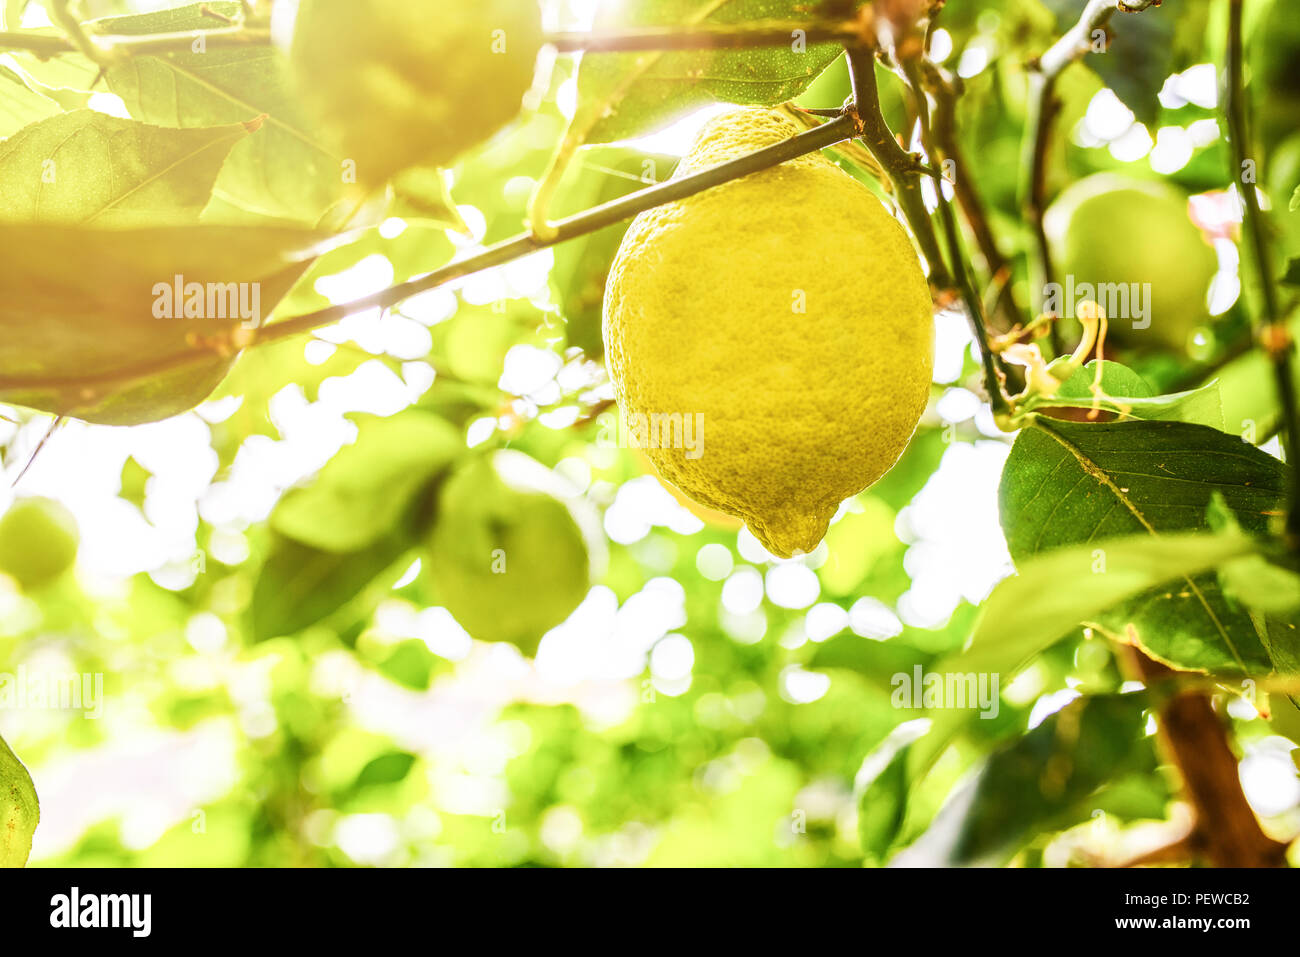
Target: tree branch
[1270, 325]
[945, 88]
[993, 376]
[707, 36]
[1043, 107]
[156, 44]
[903, 168]
[1226, 829]
[828, 134]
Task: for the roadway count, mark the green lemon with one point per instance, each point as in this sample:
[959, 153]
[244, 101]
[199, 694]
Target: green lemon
[1115, 229]
[413, 82]
[38, 541]
[507, 557]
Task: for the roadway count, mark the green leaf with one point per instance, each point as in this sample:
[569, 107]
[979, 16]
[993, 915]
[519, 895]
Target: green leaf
[420, 193]
[300, 586]
[1127, 396]
[286, 171]
[19, 809]
[1068, 483]
[1054, 591]
[91, 168]
[1038, 782]
[390, 767]
[364, 490]
[597, 175]
[628, 94]
[1294, 204]
[881, 787]
[77, 313]
[20, 105]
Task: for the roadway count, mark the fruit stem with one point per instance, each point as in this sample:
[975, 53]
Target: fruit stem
[1043, 107]
[1270, 324]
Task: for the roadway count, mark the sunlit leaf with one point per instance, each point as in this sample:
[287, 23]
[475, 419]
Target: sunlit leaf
[19, 810]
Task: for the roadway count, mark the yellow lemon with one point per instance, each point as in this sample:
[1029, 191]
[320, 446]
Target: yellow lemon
[770, 340]
[414, 82]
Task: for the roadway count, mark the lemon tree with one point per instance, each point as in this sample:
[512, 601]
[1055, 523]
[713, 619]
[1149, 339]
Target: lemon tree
[660, 432]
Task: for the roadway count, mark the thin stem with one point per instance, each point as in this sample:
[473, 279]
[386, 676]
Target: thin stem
[590, 221]
[1270, 325]
[1043, 107]
[956, 254]
[903, 168]
[707, 36]
[154, 44]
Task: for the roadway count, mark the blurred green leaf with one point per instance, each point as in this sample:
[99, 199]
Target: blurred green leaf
[88, 167]
[364, 490]
[19, 810]
[1034, 783]
[629, 94]
[299, 586]
[77, 313]
[1055, 590]
[286, 172]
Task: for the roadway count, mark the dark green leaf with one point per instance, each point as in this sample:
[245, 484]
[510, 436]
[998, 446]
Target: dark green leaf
[1070, 483]
[300, 585]
[1037, 782]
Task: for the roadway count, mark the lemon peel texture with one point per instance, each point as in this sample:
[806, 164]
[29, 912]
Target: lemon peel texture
[770, 340]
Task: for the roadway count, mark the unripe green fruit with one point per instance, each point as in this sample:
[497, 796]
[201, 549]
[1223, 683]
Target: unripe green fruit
[413, 82]
[506, 558]
[38, 542]
[1111, 228]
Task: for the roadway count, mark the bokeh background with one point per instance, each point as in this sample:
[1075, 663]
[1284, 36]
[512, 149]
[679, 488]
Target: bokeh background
[706, 704]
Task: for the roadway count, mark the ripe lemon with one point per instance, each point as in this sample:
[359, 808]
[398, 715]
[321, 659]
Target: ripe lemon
[38, 541]
[1112, 228]
[770, 340]
[414, 82]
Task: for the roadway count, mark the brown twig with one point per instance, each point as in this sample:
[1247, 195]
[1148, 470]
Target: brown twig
[946, 88]
[1043, 107]
[1226, 830]
[903, 168]
[993, 375]
[707, 36]
[1270, 324]
[156, 44]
